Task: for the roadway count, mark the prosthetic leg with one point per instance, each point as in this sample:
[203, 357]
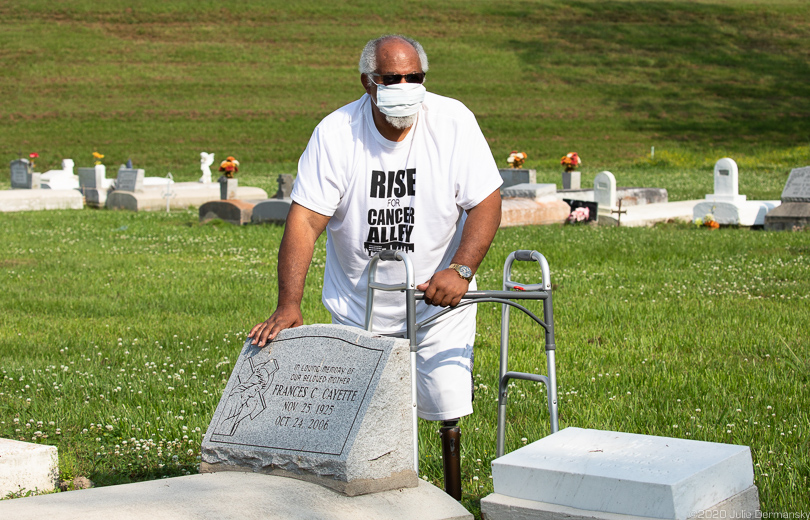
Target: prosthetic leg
[451, 457]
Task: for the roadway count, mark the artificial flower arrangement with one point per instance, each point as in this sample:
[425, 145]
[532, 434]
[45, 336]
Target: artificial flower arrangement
[707, 221]
[516, 159]
[581, 214]
[228, 167]
[98, 157]
[31, 157]
[571, 161]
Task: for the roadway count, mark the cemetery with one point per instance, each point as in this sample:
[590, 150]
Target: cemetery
[656, 187]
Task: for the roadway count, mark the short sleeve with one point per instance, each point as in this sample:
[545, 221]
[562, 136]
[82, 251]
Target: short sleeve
[318, 186]
[478, 175]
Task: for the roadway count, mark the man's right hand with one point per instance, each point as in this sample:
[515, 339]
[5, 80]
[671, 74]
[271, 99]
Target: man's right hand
[285, 317]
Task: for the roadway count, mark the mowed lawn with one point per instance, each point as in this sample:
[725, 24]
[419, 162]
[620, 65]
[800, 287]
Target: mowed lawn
[118, 330]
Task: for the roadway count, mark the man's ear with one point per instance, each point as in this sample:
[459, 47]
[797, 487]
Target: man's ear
[365, 80]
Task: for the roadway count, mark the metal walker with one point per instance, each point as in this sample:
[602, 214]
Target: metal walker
[511, 291]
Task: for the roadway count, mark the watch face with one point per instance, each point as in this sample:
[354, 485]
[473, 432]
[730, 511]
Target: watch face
[465, 271]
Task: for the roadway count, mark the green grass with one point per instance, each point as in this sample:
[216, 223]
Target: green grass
[707, 330]
[119, 331]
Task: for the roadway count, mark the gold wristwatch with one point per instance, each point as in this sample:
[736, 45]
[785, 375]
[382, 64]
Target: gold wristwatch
[463, 271]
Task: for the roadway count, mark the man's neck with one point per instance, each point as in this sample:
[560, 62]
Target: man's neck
[385, 128]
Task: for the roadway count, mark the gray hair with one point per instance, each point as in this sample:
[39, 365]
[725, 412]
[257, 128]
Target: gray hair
[368, 58]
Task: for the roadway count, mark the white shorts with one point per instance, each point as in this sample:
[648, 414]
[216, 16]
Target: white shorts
[444, 366]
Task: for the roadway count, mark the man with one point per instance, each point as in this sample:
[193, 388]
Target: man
[401, 169]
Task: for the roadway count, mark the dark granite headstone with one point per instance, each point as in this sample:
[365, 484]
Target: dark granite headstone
[271, 210]
[285, 186]
[22, 177]
[129, 180]
[236, 212]
[794, 212]
[325, 403]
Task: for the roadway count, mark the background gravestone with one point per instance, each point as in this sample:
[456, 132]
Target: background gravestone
[604, 191]
[22, 177]
[129, 180]
[285, 186]
[794, 212]
[324, 403]
[513, 176]
[726, 182]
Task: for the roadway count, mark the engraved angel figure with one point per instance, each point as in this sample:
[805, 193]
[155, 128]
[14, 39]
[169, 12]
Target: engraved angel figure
[247, 398]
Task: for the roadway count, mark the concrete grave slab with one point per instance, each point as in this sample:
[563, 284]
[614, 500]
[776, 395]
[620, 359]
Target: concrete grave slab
[788, 216]
[536, 192]
[651, 214]
[744, 213]
[794, 212]
[329, 404]
[527, 212]
[271, 210]
[624, 473]
[235, 496]
[36, 200]
[236, 212]
[27, 466]
[514, 176]
[187, 194]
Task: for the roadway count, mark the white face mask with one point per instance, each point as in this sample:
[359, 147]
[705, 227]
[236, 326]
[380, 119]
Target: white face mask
[400, 99]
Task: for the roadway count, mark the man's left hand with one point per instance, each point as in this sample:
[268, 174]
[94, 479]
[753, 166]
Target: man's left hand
[445, 288]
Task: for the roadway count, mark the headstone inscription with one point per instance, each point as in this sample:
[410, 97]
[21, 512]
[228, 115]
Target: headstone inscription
[129, 179]
[794, 212]
[328, 404]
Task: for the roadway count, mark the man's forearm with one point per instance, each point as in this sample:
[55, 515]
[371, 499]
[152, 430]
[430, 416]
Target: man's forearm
[295, 253]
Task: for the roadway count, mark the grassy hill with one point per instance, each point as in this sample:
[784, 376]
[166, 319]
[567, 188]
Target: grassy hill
[161, 82]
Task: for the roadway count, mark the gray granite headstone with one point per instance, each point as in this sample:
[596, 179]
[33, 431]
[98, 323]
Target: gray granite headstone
[285, 186]
[129, 180]
[324, 403]
[513, 176]
[271, 210]
[92, 177]
[797, 188]
[794, 212]
[22, 177]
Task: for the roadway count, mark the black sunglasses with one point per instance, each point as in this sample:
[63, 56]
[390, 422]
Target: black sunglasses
[392, 79]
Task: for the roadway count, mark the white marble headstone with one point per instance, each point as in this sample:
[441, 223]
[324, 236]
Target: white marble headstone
[604, 190]
[726, 182]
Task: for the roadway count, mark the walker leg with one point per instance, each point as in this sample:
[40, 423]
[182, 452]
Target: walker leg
[451, 456]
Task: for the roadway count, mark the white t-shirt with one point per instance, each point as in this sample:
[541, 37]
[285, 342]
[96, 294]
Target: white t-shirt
[408, 195]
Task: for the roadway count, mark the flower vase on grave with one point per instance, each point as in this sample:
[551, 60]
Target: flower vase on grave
[571, 180]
